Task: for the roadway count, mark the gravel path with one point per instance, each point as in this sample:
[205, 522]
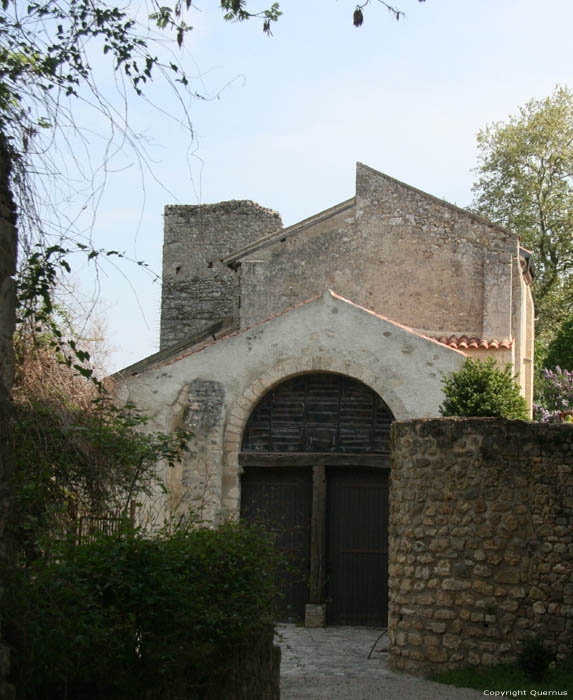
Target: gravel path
[332, 664]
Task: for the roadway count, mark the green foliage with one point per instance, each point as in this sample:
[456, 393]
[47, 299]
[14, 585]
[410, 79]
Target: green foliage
[482, 389]
[560, 349]
[47, 51]
[236, 10]
[524, 183]
[76, 453]
[534, 659]
[71, 462]
[44, 47]
[127, 615]
[48, 60]
[40, 317]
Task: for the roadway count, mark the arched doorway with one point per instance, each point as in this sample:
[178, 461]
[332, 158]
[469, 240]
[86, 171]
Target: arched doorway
[315, 458]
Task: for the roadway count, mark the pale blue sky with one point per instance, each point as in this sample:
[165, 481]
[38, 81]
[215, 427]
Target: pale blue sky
[297, 110]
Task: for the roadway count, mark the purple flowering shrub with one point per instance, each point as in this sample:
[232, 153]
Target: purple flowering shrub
[556, 397]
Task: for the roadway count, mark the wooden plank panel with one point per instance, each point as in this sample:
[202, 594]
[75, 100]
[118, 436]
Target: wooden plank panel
[280, 499]
[318, 535]
[357, 570]
[319, 413]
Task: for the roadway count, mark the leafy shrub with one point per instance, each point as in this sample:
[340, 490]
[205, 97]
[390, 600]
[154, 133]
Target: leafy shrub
[127, 615]
[72, 461]
[482, 389]
[560, 350]
[534, 659]
[555, 396]
[76, 453]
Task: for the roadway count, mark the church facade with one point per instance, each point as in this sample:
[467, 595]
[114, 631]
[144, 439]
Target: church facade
[289, 351]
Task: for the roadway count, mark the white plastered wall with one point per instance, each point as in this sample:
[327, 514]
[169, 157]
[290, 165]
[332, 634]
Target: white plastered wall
[214, 390]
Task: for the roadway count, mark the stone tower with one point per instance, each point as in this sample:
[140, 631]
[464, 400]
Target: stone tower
[197, 289]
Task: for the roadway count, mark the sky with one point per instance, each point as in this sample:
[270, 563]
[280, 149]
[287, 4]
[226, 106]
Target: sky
[282, 121]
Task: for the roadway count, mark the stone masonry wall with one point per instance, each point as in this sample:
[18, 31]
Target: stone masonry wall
[481, 541]
[8, 240]
[398, 251]
[197, 289]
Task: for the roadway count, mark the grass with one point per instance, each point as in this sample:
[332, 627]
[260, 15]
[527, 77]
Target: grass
[509, 677]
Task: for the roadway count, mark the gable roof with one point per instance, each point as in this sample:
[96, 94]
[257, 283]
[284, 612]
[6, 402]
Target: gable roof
[281, 235]
[191, 345]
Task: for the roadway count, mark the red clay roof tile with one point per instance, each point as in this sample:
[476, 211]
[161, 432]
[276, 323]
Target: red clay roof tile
[463, 342]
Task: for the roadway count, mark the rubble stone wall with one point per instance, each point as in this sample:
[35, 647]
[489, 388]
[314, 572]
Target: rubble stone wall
[398, 251]
[481, 541]
[197, 289]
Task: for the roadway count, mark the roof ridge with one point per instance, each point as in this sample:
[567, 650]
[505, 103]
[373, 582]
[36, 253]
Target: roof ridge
[281, 233]
[155, 360]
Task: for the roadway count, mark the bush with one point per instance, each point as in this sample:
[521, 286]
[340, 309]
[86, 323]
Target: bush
[72, 461]
[76, 453]
[130, 617]
[482, 389]
[534, 659]
[555, 396]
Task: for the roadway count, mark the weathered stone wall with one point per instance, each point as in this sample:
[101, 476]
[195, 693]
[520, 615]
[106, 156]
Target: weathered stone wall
[8, 239]
[393, 249]
[197, 289]
[398, 251]
[481, 541]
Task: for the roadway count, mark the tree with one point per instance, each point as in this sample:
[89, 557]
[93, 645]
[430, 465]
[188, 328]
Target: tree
[47, 52]
[358, 16]
[481, 389]
[560, 349]
[76, 453]
[44, 66]
[525, 183]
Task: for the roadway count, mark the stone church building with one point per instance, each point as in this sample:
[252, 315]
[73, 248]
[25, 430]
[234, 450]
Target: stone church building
[289, 351]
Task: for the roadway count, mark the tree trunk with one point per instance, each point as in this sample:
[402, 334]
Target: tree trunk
[8, 247]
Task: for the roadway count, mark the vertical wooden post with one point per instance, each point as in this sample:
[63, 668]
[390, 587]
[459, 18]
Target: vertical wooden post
[318, 536]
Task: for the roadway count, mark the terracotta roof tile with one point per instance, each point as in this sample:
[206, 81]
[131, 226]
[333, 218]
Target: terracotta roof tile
[463, 342]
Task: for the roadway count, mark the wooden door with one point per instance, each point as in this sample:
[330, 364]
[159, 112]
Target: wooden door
[281, 500]
[357, 547]
[321, 421]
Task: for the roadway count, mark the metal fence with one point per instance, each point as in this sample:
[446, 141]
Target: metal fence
[91, 526]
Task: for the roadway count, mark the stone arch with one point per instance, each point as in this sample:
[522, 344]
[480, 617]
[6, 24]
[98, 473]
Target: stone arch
[316, 471]
[242, 408]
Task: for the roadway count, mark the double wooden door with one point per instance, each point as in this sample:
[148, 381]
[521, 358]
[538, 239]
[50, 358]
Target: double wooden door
[334, 529]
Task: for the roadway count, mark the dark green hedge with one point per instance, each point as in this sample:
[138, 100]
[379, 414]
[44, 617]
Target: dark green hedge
[482, 389]
[133, 617]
